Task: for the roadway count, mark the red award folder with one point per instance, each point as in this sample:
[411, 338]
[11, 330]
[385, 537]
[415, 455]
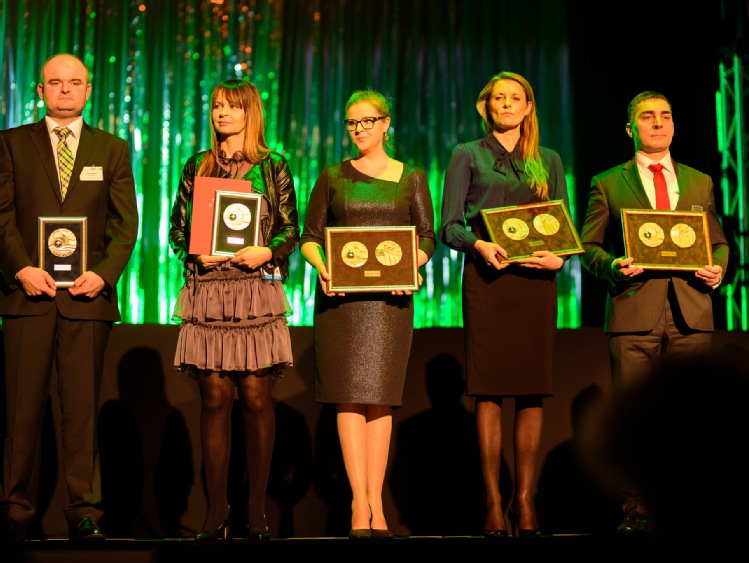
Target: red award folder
[203, 202]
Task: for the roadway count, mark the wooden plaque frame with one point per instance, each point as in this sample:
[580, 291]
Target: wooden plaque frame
[361, 259]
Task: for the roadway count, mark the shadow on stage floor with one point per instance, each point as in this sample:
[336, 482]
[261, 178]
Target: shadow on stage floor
[557, 548]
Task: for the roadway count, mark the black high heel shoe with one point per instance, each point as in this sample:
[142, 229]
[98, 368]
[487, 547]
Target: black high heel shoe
[521, 532]
[258, 536]
[360, 534]
[381, 534]
[222, 533]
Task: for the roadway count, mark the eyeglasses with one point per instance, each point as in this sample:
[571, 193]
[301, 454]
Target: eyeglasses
[366, 122]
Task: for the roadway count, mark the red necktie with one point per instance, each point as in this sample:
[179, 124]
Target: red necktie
[661, 191]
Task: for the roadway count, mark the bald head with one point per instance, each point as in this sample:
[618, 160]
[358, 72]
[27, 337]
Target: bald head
[64, 87]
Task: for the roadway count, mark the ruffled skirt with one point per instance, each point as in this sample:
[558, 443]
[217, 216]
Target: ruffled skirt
[232, 322]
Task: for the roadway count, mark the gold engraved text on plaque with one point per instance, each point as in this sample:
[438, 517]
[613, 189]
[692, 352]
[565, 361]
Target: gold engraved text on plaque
[62, 242]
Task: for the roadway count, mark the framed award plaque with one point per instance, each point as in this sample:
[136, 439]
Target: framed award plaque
[62, 248]
[667, 240]
[236, 222]
[363, 259]
[524, 229]
[204, 207]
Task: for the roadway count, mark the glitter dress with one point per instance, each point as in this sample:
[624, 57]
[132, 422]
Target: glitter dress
[363, 340]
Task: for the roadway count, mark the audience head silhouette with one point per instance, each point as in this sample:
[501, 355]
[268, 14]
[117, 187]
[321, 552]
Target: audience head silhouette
[680, 436]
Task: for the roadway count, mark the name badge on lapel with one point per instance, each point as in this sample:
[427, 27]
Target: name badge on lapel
[92, 174]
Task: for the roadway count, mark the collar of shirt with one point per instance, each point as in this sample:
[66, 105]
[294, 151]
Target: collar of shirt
[507, 159]
[75, 128]
[646, 177]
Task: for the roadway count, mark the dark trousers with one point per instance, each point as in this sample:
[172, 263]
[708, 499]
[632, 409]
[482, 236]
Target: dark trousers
[36, 347]
[633, 356]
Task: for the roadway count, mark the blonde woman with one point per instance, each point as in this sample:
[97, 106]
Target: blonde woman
[363, 340]
[505, 358]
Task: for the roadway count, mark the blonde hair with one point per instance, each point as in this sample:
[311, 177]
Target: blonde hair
[538, 176]
[244, 94]
[380, 103]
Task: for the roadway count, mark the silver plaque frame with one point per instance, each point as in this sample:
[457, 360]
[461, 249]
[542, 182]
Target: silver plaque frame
[63, 247]
[227, 238]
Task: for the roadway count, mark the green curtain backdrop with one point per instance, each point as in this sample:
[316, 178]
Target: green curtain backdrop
[154, 64]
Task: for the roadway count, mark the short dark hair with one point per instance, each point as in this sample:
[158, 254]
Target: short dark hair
[641, 97]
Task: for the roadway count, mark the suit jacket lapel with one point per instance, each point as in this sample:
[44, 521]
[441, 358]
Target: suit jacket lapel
[683, 203]
[40, 139]
[82, 156]
[632, 178]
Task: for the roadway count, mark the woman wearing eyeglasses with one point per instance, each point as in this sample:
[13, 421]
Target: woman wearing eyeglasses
[363, 340]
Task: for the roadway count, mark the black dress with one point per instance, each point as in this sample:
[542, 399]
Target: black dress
[363, 340]
[509, 315]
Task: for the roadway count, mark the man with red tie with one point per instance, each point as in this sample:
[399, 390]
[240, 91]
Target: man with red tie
[651, 314]
[58, 318]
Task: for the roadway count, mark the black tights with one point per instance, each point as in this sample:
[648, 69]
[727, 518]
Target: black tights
[526, 441]
[217, 400]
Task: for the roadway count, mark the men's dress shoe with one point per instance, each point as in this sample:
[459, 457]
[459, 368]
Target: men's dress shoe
[85, 529]
[11, 531]
[381, 534]
[634, 522]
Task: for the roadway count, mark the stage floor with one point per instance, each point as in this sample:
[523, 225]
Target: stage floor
[576, 548]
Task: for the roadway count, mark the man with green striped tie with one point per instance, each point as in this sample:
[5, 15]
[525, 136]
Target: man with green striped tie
[58, 298]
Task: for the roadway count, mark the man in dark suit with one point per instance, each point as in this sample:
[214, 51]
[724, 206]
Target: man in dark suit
[651, 314]
[49, 327]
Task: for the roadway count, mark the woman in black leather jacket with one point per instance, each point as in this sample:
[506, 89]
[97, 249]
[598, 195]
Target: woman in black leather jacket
[233, 310]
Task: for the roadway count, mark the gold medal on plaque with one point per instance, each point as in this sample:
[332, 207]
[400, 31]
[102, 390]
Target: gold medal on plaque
[237, 216]
[515, 229]
[388, 253]
[62, 242]
[354, 254]
[546, 224]
[651, 234]
[683, 235]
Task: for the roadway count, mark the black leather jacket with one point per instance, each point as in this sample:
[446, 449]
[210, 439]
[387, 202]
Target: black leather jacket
[280, 230]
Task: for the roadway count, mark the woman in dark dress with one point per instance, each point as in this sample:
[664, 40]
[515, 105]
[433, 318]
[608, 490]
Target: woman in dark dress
[363, 340]
[509, 310]
[234, 336]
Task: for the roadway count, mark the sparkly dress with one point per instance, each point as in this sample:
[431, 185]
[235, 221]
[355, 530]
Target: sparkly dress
[233, 320]
[362, 341]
